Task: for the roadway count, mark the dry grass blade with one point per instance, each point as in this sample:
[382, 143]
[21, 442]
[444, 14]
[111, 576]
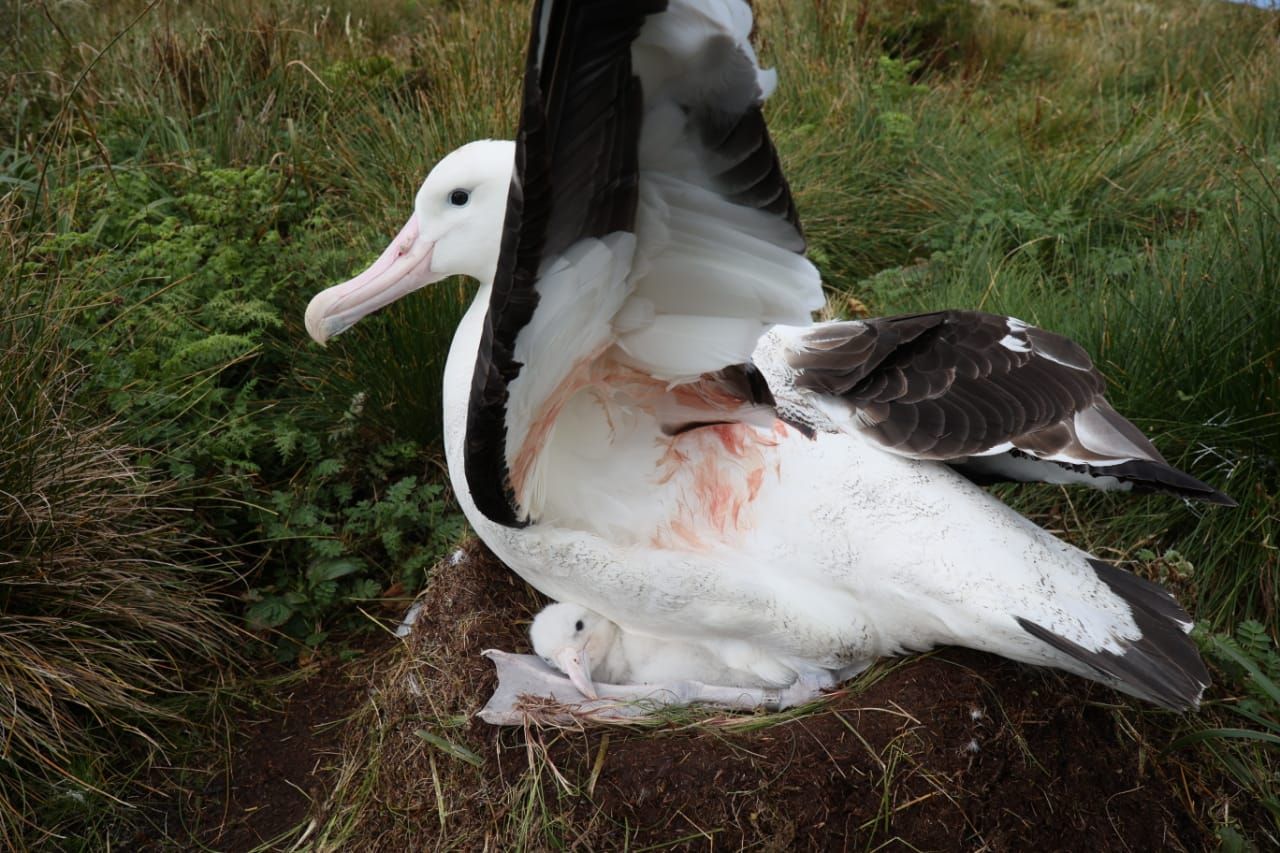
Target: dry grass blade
[106, 616]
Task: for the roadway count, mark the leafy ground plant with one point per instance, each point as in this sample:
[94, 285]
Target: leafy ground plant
[197, 228]
[1246, 744]
[195, 273]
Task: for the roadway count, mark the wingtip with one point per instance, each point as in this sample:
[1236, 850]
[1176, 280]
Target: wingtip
[1144, 668]
[1151, 476]
[1206, 493]
[1219, 498]
[1193, 488]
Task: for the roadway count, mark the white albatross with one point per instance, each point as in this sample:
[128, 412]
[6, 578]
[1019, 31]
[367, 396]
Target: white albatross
[640, 418]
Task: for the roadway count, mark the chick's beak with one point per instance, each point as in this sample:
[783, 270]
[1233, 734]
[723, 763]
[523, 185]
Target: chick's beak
[576, 664]
[403, 267]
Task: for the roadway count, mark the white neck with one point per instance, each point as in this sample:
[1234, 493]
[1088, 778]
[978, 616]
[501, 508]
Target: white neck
[459, 369]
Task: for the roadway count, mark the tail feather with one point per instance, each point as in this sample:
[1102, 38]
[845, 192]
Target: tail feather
[1162, 665]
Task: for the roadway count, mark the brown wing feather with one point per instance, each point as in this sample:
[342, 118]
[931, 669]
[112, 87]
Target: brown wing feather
[973, 389]
[943, 385]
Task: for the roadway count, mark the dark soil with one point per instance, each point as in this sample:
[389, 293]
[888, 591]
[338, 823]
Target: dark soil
[905, 759]
[952, 751]
[280, 766]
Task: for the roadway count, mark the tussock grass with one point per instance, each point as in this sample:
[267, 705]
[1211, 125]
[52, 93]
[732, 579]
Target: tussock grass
[109, 628]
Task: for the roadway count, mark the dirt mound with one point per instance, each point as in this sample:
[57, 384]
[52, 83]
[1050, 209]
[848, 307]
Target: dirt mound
[952, 751]
[277, 769]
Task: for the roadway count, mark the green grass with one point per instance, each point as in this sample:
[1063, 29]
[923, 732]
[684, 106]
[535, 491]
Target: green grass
[178, 179]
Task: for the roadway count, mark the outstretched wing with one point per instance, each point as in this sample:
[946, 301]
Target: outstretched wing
[649, 226]
[993, 396]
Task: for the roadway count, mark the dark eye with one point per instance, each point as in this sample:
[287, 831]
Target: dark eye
[459, 198]
[577, 626]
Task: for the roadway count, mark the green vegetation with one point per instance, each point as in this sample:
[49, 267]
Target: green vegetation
[1253, 720]
[176, 180]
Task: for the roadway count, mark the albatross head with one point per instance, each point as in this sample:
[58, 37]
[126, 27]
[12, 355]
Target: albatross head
[455, 229]
[567, 637]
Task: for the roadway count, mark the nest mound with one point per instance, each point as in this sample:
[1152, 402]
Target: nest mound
[950, 751]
